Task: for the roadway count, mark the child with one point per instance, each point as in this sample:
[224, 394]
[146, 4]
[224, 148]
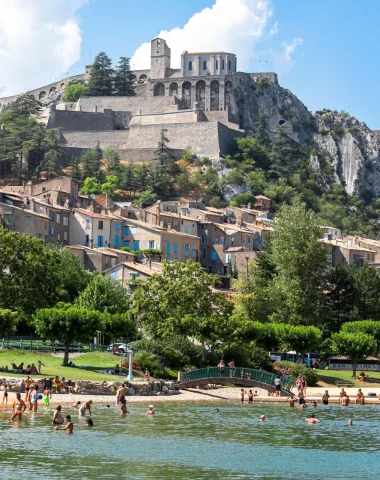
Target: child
[69, 425]
[75, 404]
[150, 410]
[47, 396]
[89, 422]
[123, 407]
[5, 394]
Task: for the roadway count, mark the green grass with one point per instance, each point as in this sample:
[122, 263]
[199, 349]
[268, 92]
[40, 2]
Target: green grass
[329, 377]
[89, 363]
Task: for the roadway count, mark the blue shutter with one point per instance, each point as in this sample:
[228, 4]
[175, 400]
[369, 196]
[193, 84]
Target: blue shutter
[100, 241]
[175, 246]
[117, 226]
[228, 258]
[168, 248]
[87, 223]
[116, 241]
[213, 256]
[126, 243]
[126, 230]
[136, 245]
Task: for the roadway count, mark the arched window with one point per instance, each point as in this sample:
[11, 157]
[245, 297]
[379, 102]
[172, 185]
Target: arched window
[190, 65]
[204, 65]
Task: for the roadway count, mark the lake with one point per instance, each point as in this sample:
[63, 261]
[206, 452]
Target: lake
[188, 441]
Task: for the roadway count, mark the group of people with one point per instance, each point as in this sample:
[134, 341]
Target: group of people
[31, 369]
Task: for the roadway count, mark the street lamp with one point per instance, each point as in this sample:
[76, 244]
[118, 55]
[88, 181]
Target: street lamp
[130, 372]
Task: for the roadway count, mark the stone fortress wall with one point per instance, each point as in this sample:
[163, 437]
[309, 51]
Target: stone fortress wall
[193, 103]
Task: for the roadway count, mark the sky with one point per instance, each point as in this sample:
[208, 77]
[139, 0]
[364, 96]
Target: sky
[324, 51]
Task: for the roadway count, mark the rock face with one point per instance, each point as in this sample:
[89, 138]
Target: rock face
[343, 148]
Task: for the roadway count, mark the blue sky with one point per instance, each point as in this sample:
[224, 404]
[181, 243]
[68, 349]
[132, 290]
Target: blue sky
[324, 51]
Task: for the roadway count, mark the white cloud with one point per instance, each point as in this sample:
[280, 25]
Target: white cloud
[289, 47]
[235, 26]
[39, 41]
[274, 30]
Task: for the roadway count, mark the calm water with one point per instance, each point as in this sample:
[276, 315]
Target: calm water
[188, 441]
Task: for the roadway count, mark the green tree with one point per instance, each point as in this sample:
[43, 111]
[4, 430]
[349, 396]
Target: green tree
[147, 197]
[55, 156]
[112, 160]
[356, 346]
[8, 322]
[110, 185]
[300, 338]
[242, 199]
[366, 283]
[251, 153]
[163, 154]
[369, 327]
[26, 105]
[100, 82]
[105, 295]
[73, 92]
[67, 323]
[257, 181]
[182, 181]
[186, 306]
[262, 136]
[123, 80]
[91, 185]
[119, 325]
[301, 262]
[72, 277]
[90, 161]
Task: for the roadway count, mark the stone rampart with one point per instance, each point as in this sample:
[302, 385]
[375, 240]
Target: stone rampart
[182, 116]
[81, 121]
[269, 75]
[135, 105]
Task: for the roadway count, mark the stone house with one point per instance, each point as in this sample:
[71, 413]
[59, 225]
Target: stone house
[171, 221]
[263, 202]
[94, 259]
[95, 229]
[373, 245]
[126, 272]
[241, 215]
[25, 221]
[344, 252]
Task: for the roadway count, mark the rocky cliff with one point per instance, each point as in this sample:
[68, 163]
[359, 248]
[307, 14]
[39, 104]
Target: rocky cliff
[343, 148]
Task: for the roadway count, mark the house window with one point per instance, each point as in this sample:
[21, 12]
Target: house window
[133, 230]
[168, 247]
[186, 254]
[133, 276]
[52, 216]
[65, 236]
[174, 223]
[117, 226]
[58, 218]
[65, 221]
[126, 230]
[87, 223]
[232, 242]
[114, 274]
[228, 258]
[202, 239]
[100, 225]
[190, 65]
[175, 247]
[126, 243]
[193, 254]
[86, 240]
[187, 246]
[151, 244]
[113, 262]
[116, 241]
[213, 256]
[27, 220]
[100, 241]
[216, 65]
[40, 235]
[52, 231]
[204, 65]
[222, 64]
[193, 247]
[136, 245]
[229, 64]
[58, 237]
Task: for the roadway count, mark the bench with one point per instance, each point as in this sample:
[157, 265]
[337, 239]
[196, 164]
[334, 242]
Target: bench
[344, 384]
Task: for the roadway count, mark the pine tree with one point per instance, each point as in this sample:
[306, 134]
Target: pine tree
[163, 154]
[262, 136]
[123, 81]
[90, 161]
[100, 81]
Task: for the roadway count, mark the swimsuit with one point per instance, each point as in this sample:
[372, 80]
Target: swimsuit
[46, 400]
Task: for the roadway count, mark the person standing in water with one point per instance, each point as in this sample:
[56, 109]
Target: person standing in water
[69, 426]
[242, 394]
[19, 407]
[325, 398]
[123, 407]
[250, 397]
[291, 401]
[5, 394]
[58, 417]
[33, 399]
[85, 406]
[47, 396]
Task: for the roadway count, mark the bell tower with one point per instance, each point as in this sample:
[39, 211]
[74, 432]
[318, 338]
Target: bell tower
[159, 58]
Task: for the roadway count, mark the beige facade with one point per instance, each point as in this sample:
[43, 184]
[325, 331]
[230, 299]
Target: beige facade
[127, 273]
[94, 259]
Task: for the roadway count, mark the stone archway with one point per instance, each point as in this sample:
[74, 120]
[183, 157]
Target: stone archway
[63, 85]
[142, 78]
[159, 90]
[42, 95]
[53, 90]
[186, 94]
[214, 95]
[200, 93]
[227, 93]
[173, 89]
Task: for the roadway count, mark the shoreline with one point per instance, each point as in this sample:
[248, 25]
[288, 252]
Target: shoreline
[207, 396]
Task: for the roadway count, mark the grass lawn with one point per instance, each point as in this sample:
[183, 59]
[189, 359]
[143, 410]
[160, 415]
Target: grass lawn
[329, 377]
[89, 363]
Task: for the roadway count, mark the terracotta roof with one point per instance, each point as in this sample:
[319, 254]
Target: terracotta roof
[92, 214]
[344, 244]
[138, 267]
[93, 250]
[4, 206]
[235, 249]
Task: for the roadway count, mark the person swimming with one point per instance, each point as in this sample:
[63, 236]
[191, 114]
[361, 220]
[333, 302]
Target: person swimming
[89, 422]
[216, 410]
[150, 410]
[291, 401]
[312, 420]
[262, 418]
[350, 422]
[314, 404]
[69, 425]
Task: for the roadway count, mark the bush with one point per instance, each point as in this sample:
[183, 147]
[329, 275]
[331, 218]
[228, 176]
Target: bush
[242, 199]
[338, 130]
[296, 370]
[263, 82]
[323, 132]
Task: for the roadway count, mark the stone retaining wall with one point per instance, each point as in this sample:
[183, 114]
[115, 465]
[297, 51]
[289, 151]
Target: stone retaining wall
[157, 387]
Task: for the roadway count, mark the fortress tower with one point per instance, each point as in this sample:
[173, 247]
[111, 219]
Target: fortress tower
[159, 58]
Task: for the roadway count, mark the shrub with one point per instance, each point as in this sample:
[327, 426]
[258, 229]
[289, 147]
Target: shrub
[323, 132]
[242, 199]
[339, 130]
[296, 370]
[206, 161]
[263, 82]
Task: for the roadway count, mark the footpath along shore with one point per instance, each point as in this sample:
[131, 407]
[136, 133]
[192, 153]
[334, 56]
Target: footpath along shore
[212, 395]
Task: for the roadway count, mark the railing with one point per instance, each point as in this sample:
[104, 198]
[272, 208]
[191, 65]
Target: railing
[234, 373]
[34, 344]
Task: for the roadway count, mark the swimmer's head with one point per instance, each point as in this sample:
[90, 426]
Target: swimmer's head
[78, 402]
[108, 406]
[68, 418]
[216, 410]
[59, 408]
[89, 422]
[18, 396]
[350, 421]
[262, 418]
